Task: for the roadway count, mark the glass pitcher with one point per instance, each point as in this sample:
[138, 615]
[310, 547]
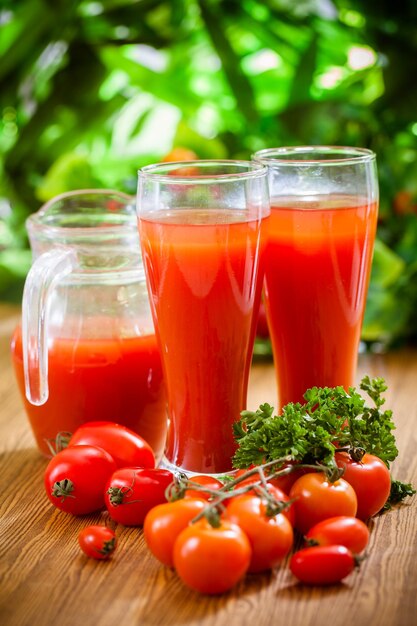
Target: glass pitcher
[86, 347]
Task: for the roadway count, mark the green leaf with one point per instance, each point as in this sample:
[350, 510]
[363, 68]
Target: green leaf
[384, 319]
[22, 34]
[70, 171]
[238, 81]
[406, 248]
[304, 73]
[399, 491]
[14, 266]
[387, 266]
[205, 148]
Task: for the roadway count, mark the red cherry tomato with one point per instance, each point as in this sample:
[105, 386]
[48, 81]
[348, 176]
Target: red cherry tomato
[350, 532]
[271, 537]
[210, 482]
[126, 447]
[277, 494]
[76, 477]
[370, 479]
[280, 496]
[133, 491]
[164, 523]
[316, 499]
[212, 560]
[322, 565]
[97, 542]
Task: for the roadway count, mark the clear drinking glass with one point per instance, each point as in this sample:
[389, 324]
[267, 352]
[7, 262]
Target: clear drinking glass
[86, 349]
[324, 205]
[201, 229]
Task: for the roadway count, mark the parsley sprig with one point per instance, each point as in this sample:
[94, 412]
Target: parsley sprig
[308, 431]
[331, 419]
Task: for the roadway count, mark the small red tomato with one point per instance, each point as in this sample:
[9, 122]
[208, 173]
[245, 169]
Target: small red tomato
[350, 532]
[271, 537]
[370, 479]
[133, 491]
[277, 494]
[280, 496]
[212, 560]
[322, 565]
[316, 499]
[209, 482]
[164, 523]
[126, 447]
[98, 542]
[76, 477]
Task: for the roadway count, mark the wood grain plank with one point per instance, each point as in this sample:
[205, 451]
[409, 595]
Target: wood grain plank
[45, 580]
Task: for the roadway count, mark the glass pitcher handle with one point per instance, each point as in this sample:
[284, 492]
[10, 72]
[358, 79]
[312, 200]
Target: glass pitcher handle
[48, 269]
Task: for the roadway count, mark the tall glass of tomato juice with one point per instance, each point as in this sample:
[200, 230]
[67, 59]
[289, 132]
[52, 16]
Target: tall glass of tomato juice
[201, 227]
[324, 205]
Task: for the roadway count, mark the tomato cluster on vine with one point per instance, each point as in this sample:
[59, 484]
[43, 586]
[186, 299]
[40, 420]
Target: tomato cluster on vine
[213, 532]
[217, 533]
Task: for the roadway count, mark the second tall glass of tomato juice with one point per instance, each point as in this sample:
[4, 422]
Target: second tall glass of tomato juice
[86, 349]
[201, 227]
[324, 205]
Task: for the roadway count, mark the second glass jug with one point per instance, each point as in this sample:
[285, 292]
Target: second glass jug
[86, 349]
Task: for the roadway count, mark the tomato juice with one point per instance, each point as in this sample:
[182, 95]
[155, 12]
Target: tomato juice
[317, 272]
[204, 273]
[90, 379]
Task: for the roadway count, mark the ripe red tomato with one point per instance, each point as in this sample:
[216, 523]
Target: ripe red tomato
[126, 447]
[76, 477]
[276, 493]
[317, 499]
[271, 537]
[98, 542]
[370, 479]
[210, 482]
[350, 532]
[164, 523]
[212, 560]
[133, 491]
[322, 565]
[280, 496]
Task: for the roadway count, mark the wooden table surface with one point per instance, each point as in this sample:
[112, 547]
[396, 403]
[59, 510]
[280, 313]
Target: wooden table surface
[45, 580]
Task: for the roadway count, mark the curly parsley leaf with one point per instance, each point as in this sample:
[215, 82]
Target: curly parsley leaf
[398, 492]
[309, 431]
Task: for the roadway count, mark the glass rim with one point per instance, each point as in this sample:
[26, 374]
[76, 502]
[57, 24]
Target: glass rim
[250, 170]
[343, 155]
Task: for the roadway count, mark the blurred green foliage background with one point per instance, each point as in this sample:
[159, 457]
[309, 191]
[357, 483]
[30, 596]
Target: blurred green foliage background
[92, 90]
